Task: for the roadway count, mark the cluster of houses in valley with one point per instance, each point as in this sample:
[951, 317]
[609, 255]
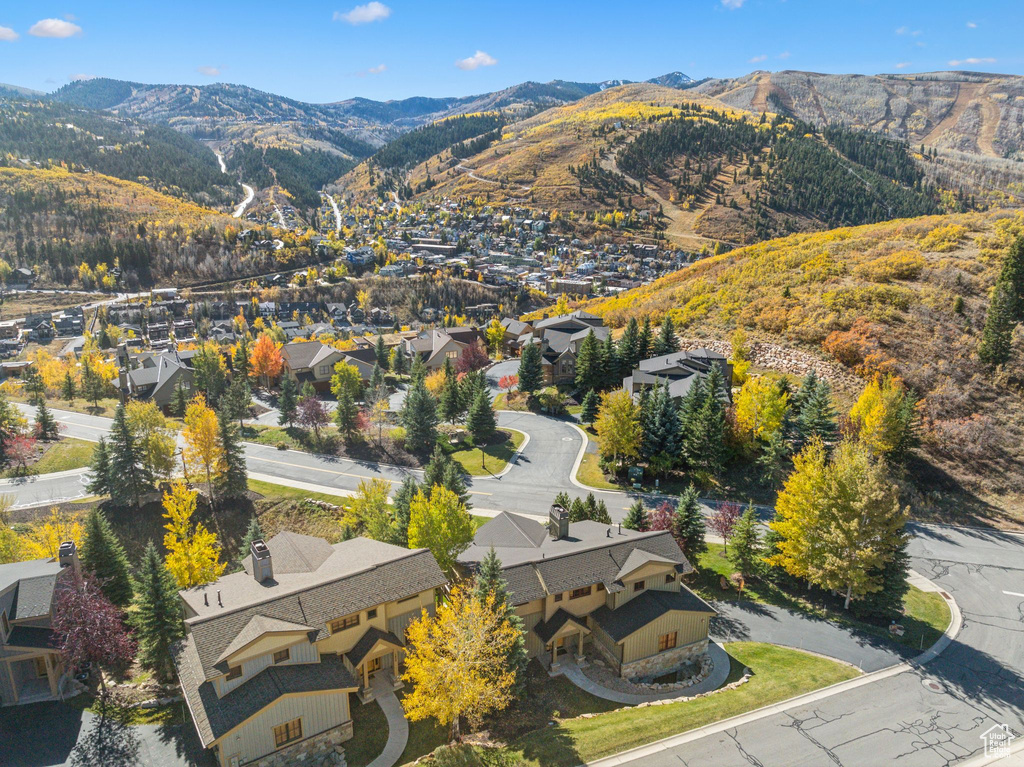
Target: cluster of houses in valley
[274, 652]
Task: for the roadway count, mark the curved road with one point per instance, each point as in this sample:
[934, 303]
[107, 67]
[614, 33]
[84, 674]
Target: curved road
[906, 715]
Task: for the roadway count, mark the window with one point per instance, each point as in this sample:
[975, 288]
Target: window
[324, 370]
[600, 587]
[577, 593]
[451, 355]
[670, 578]
[282, 656]
[233, 672]
[638, 586]
[286, 733]
[371, 614]
[558, 597]
[344, 623]
[666, 642]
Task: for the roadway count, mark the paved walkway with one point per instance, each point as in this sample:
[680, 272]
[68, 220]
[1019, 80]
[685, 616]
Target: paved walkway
[398, 727]
[719, 673]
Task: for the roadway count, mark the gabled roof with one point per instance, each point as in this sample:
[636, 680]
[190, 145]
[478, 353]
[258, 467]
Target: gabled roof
[295, 553]
[510, 530]
[300, 355]
[257, 627]
[547, 629]
[638, 558]
[646, 608]
[368, 641]
[34, 582]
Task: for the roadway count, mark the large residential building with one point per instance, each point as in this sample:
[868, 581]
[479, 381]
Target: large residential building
[436, 346]
[589, 585]
[272, 653]
[314, 362]
[559, 339]
[31, 670]
[678, 371]
[153, 376]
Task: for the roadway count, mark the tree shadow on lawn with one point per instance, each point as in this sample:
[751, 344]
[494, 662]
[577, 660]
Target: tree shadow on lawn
[110, 739]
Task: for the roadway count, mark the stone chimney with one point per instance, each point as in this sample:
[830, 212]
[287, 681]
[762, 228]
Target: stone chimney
[67, 556]
[262, 563]
[558, 523]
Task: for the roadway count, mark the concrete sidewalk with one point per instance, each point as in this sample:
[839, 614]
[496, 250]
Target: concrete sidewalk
[398, 727]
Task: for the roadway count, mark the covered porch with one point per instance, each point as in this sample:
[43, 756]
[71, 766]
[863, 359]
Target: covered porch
[377, 654]
[35, 677]
[563, 633]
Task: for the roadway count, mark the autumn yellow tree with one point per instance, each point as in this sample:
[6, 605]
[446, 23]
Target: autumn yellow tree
[203, 451]
[457, 662]
[58, 526]
[886, 416]
[154, 436]
[618, 426]
[193, 553]
[761, 406]
[440, 523]
[266, 359]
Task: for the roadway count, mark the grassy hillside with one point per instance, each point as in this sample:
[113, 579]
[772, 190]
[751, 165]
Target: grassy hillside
[905, 296]
[57, 221]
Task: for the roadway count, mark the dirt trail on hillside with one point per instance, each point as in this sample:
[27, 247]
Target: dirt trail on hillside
[760, 101]
[967, 94]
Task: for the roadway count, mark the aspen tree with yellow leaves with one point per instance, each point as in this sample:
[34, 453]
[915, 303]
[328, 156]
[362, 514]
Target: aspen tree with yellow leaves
[193, 553]
[203, 451]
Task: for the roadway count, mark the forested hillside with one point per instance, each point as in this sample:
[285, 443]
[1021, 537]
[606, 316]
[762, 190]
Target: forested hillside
[71, 226]
[303, 173]
[46, 133]
[907, 297]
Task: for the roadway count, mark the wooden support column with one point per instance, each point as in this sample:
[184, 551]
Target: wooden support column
[579, 653]
[51, 677]
[366, 674]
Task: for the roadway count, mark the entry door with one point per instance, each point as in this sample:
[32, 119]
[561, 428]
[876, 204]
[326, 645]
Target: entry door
[373, 665]
[41, 667]
[559, 646]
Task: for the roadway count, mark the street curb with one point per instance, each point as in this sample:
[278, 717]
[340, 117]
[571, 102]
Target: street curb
[625, 757]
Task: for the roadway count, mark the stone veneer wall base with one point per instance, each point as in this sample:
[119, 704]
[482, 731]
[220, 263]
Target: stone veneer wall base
[318, 751]
[663, 661]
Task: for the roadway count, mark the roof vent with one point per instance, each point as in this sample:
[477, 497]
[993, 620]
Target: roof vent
[558, 523]
[262, 562]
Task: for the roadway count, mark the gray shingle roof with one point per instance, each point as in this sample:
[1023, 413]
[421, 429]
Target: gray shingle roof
[215, 716]
[367, 641]
[256, 628]
[296, 553]
[360, 573]
[30, 636]
[641, 610]
[34, 582]
[547, 629]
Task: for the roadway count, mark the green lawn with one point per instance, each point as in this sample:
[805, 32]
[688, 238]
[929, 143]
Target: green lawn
[494, 457]
[778, 673]
[67, 453]
[285, 492]
[105, 407]
[926, 618]
[590, 473]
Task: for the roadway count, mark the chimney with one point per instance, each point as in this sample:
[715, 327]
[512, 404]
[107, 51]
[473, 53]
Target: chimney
[558, 523]
[67, 556]
[262, 563]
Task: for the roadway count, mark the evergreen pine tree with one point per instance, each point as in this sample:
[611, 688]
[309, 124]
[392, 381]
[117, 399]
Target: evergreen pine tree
[817, 415]
[67, 388]
[419, 417]
[636, 517]
[563, 500]
[179, 400]
[376, 378]
[745, 548]
[480, 421]
[234, 478]
[1000, 321]
[130, 477]
[287, 401]
[99, 469]
[707, 447]
[235, 401]
[589, 373]
[418, 370]
[629, 347]
[450, 403]
[610, 364]
[33, 385]
[157, 617]
[46, 425]
[645, 339]
[382, 354]
[688, 525]
[666, 342]
[241, 360]
[104, 557]
[887, 602]
[433, 472]
[399, 362]
[346, 413]
[454, 480]
[590, 405]
[531, 375]
[401, 506]
[489, 581]
[252, 533]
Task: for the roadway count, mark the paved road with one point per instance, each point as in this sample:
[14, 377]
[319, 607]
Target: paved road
[922, 717]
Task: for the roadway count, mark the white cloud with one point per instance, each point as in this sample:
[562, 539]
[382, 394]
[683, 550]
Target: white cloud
[972, 25]
[54, 28]
[757, 59]
[364, 14]
[378, 69]
[209, 71]
[908, 31]
[972, 60]
[785, 55]
[733, 4]
[7, 34]
[478, 59]
[903, 65]
[77, 78]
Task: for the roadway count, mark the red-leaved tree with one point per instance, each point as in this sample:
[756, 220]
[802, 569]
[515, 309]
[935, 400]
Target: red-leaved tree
[312, 415]
[509, 382]
[724, 519]
[473, 357]
[20, 450]
[88, 628]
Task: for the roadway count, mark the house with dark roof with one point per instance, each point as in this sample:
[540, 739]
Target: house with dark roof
[437, 345]
[589, 587]
[157, 375]
[271, 653]
[679, 371]
[559, 339]
[314, 362]
[31, 670]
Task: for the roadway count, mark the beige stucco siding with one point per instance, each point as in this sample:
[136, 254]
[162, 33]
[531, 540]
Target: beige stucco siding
[689, 627]
[255, 738]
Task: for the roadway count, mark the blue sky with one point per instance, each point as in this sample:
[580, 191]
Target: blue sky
[326, 51]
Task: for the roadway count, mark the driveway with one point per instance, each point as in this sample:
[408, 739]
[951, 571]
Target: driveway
[50, 734]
